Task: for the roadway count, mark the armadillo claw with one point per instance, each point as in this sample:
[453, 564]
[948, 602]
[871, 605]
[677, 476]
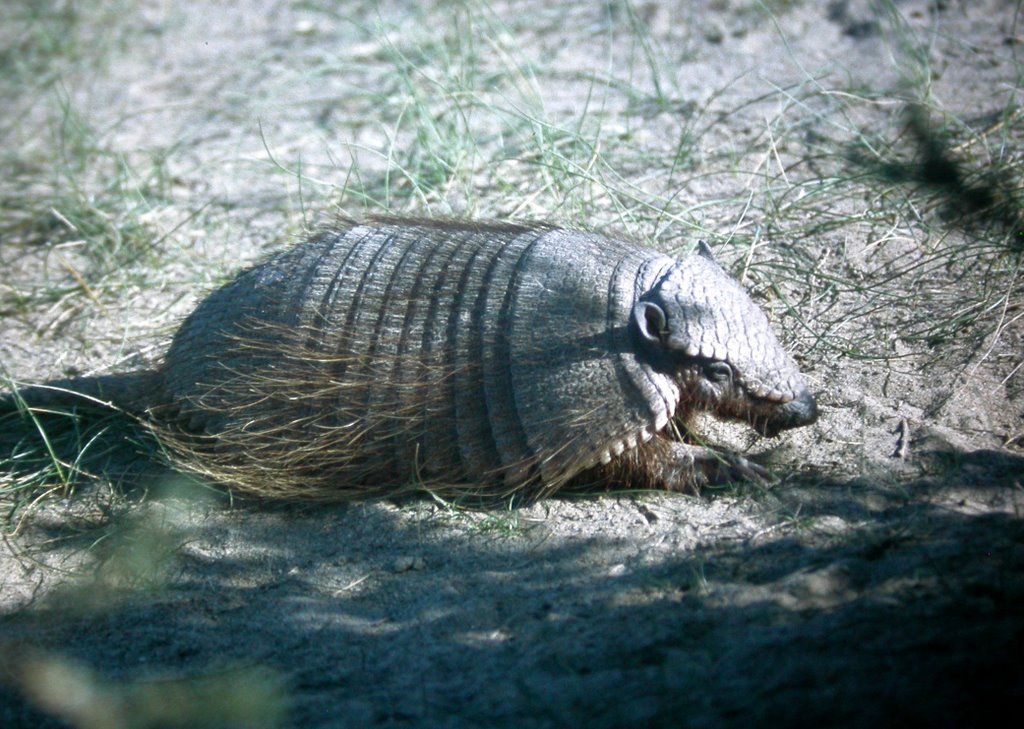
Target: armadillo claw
[697, 466]
[737, 468]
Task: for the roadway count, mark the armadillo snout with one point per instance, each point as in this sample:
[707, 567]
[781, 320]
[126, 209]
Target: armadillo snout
[802, 410]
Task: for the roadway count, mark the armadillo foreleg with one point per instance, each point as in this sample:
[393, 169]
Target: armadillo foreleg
[688, 465]
[666, 464]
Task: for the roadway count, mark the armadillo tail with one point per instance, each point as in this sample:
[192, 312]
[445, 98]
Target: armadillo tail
[128, 392]
[60, 434]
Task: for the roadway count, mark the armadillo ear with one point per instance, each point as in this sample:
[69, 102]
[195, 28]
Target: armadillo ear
[651, 322]
[705, 250]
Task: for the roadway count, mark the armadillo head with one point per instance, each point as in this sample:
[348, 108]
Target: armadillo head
[700, 325]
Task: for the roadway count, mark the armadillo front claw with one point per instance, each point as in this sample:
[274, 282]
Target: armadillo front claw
[706, 466]
[738, 468]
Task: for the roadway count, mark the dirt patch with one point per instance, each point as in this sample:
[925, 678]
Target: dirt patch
[856, 164]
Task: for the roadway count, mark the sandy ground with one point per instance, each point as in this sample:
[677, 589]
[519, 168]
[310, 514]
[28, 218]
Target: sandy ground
[863, 589]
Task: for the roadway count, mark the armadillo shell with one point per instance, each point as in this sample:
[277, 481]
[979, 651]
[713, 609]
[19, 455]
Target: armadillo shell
[435, 352]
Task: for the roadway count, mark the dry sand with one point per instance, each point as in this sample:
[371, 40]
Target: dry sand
[864, 589]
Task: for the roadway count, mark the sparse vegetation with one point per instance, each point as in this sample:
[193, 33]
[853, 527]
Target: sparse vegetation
[865, 184]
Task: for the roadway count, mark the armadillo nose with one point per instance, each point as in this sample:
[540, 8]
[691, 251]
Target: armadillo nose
[802, 410]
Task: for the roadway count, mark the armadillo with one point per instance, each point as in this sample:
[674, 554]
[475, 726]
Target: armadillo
[513, 358]
[485, 358]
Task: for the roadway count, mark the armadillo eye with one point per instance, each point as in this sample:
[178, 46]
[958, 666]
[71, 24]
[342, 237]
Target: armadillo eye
[718, 371]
